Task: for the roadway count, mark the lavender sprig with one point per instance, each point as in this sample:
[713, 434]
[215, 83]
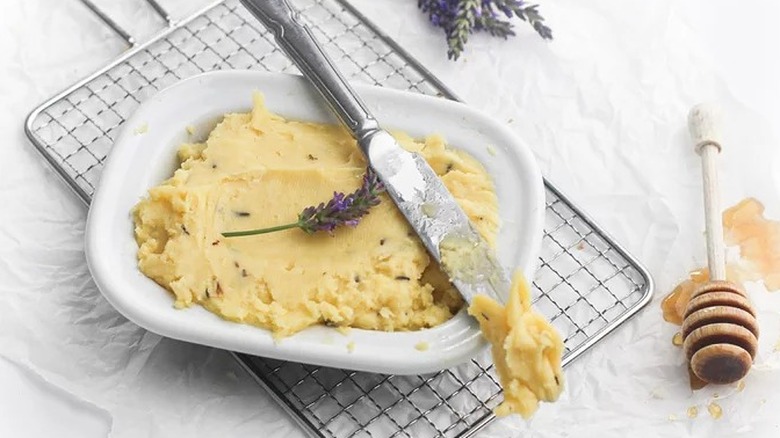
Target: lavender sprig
[460, 18]
[339, 211]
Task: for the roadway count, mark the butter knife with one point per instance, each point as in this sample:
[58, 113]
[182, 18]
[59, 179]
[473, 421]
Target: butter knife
[441, 224]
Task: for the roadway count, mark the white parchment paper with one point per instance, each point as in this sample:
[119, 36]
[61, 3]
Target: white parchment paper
[603, 107]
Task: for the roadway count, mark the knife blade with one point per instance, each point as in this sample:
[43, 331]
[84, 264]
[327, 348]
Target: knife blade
[434, 214]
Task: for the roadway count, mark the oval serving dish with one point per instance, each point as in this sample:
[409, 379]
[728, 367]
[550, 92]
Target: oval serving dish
[145, 154]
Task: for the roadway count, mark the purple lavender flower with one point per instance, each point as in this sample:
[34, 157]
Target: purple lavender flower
[460, 18]
[341, 210]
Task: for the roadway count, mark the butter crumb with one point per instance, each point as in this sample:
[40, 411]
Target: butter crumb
[740, 386]
[143, 128]
[190, 129]
[672, 417]
[715, 410]
[422, 346]
[693, 412]
[351, 346]
[656, 394]
[491, 150]
[344, 330]
[777, 346]
[677, 339]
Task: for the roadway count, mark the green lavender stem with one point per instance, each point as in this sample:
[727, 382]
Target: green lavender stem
[261, 230]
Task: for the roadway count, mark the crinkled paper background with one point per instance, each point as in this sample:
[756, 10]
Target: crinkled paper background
[603, 107]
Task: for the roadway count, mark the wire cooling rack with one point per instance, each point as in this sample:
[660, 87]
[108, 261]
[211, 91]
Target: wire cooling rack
[587, 284]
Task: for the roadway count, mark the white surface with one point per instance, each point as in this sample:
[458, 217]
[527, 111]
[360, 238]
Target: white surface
[603, 108]
[139, 161]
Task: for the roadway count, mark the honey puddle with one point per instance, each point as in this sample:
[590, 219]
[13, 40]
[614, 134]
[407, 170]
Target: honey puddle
[758, 240]
[674, 304]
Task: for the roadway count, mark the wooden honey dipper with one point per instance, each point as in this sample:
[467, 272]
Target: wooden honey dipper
[720, 331]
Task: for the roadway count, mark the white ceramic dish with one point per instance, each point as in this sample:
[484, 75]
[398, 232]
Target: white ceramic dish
[144, 155]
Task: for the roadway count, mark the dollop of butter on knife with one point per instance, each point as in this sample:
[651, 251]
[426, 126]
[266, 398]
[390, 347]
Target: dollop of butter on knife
[468, 260]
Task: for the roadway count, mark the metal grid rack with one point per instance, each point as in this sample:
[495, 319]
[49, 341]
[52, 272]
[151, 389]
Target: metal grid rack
[587, 284]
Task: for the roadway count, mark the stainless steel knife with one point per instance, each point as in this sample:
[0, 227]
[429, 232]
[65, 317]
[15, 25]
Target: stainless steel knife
[423, 199]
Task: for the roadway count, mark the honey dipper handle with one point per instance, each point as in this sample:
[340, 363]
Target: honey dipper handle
[704, 123]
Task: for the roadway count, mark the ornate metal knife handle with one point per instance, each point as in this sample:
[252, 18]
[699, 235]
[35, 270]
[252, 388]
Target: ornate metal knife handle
[297, 40]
